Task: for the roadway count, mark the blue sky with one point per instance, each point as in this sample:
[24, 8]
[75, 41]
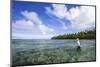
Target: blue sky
[32, 20]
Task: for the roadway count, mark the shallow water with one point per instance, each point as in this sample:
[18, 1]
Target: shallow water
[39, 51]
[45, 44]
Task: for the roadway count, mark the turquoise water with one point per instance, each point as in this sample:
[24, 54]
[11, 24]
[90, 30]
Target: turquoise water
[45, 51]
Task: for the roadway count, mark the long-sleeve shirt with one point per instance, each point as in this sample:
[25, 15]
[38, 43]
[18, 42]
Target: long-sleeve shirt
[78, 42]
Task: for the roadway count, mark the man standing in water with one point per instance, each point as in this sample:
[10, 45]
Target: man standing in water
[78, 42]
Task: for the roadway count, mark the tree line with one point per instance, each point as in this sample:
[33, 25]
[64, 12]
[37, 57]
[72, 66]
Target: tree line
[87, 34]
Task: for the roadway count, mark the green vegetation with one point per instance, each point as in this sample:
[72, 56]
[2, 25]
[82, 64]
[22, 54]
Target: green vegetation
[87, 34]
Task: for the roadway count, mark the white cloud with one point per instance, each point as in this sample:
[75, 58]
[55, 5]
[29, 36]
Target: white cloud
[82, 17]
[31, 26]
[73, 13]
[33, 16]
[22, 24]
[58, 10]
[24, 27]
[31, 36]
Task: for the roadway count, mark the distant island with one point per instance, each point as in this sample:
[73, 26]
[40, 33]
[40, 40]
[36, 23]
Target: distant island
[87, 34]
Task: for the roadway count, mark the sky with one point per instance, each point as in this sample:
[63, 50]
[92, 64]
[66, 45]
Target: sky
[34, 20]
